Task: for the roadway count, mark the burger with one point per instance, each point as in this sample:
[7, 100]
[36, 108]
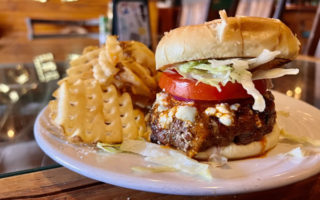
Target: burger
[215, 81]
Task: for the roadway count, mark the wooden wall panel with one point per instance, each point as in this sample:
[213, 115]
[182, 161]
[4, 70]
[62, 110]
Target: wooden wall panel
[14, 44]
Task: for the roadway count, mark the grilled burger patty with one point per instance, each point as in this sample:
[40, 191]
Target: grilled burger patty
[194, 126]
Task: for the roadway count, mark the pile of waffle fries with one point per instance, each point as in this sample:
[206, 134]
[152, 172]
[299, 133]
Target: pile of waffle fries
[102, 97]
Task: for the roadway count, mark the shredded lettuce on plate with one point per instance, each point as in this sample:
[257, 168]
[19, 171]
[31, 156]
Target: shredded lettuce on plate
[167, 157]
[220, 72]
[302, 140]
[153, 169]
[110, 148]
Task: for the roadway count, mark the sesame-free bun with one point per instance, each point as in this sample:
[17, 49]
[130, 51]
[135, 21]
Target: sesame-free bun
[234, 151]
[228, 37]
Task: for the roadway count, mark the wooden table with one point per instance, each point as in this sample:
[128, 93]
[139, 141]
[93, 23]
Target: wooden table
[61, 183]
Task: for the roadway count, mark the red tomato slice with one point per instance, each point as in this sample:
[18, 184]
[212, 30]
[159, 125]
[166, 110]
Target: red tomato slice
[176, 85]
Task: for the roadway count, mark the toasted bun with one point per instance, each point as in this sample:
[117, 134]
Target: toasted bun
[234, 151]
[228, 37]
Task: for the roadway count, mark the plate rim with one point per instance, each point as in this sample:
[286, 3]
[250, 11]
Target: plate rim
[131, 181]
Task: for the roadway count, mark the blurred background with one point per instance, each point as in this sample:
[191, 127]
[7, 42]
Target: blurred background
[38, 38]
[63, 27]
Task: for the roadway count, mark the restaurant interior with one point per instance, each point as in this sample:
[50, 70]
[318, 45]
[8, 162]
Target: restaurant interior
[39, 39]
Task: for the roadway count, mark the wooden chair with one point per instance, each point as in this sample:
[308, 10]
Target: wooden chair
[194, 12]
[77, 28]
[314, 37]
[261, 8]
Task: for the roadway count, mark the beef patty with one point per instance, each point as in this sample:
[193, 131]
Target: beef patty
[194, 126]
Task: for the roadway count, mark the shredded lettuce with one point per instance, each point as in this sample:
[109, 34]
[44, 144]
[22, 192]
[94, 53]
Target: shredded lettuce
[296, 153]
[244, 77]
[110, 148]
[167, 157]
[302, 140]
[264, 57]
[153, 169]
[273, 73]
[204, 72]
[220, 72]
[283, 113]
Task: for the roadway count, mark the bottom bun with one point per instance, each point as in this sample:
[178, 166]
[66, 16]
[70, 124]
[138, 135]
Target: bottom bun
[234, 151]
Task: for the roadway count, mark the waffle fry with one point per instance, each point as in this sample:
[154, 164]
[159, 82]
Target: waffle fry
[140, 121]
[108, 58]
[141, 72]
[88, 114]
[89, 48]
[137, 85]
[92, 104]
[140, 53]
[85, 57]
[111, 114]
[81, 68]
[82, 72]
[79, 110]
[129, 126]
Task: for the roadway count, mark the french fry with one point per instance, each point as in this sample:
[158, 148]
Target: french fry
[108, 58]
[141, 72]
[140, 53]
[93, 104]
[89, 48]
[138, 86]
[85, 58]
[111, 112]
[90, 115]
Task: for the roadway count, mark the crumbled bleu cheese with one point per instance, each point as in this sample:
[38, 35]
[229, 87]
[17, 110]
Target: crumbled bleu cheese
[226, 120]
[186, 113]
[210, 111]
[166, 118]
[222, 108]
[161, 101]
[223, 112]
[235, 106]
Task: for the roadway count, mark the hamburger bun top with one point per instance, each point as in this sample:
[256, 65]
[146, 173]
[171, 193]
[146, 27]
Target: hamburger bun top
[228, 37]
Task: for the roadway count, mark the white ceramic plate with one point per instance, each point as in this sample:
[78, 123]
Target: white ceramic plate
[270, 171]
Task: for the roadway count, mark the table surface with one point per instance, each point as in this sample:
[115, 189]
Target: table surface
[44, 178]
[60, 183]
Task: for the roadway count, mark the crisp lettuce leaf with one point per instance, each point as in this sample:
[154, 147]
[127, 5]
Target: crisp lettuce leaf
[273, 73]
[167, 157]
[296, 153]
[153, 169]
[205, 73]
[302, 140]
[110, 148]
[244, 77]
[264, 57]
[220, 72]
